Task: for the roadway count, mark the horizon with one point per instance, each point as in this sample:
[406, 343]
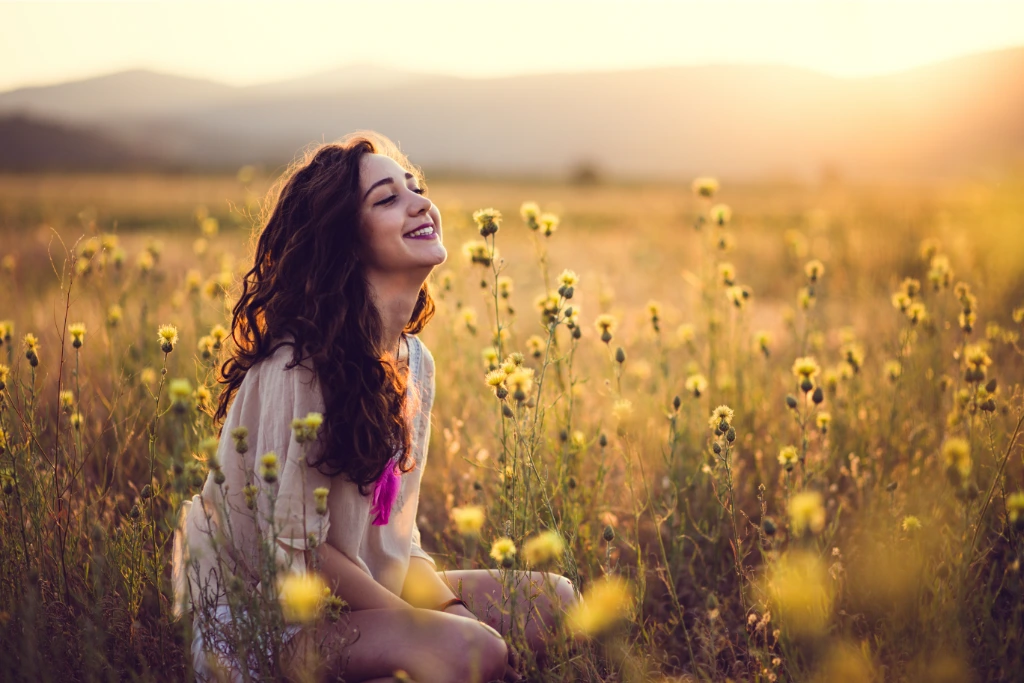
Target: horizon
[840, 39]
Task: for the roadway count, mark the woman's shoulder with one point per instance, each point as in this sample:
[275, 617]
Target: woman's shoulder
[426, 358]
[278, 369]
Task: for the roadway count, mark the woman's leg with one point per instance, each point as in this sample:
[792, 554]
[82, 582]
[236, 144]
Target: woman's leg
[433, 647]
[540, 597]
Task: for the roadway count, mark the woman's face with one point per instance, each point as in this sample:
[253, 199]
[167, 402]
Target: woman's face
[402, 227]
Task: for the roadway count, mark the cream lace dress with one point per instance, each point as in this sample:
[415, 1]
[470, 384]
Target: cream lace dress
[270, 396]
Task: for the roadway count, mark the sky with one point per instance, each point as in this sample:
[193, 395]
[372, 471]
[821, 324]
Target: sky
[243, 43]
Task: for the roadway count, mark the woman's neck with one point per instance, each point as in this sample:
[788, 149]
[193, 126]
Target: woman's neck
[395, 299]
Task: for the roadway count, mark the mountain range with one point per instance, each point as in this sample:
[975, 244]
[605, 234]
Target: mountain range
[961, 117]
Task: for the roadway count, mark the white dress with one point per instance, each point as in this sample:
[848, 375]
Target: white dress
[269, 397]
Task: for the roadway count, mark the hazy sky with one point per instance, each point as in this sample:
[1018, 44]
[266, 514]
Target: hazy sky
[250, 42]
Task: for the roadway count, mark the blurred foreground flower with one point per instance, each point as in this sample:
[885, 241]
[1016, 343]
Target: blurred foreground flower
[603, 604]
[468, 519]
[799, 592]
[543, 548]
[299, 595]
[806, 512]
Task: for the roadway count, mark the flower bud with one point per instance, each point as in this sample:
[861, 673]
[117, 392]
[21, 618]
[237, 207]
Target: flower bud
[609, 533]
[620, 355]
[818, 396]
[791, 401]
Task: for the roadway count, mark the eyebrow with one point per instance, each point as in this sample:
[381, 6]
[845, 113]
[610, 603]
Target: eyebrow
[383, 181]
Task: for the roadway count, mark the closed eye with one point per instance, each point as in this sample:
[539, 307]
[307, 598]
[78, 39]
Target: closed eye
[388, 200]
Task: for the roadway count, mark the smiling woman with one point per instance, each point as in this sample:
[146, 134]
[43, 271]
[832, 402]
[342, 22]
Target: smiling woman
[337, 286]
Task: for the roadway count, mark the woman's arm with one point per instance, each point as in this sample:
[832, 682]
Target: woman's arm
[352, 584]
[425, 588]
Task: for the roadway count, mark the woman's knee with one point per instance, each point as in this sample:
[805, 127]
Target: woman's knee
[563, 589]
[481, 654]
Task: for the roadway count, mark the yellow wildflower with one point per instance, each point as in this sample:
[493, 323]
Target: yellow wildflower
[77, 332]
[503, 550]
[788, 457]
[300, 596]
[468, 519]
[705, 186]
[543, 548]
[605, 602]
[167, 335]
[806, 512]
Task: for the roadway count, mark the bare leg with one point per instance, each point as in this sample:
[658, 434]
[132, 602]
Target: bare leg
[540, 599]
[433, 647]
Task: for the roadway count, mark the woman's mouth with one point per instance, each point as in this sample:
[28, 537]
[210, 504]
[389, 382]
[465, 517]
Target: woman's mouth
[424, 233]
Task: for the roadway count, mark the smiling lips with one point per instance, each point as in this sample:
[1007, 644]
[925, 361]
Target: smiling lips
[424, 232]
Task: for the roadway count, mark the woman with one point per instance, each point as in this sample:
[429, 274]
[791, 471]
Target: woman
[327, 324]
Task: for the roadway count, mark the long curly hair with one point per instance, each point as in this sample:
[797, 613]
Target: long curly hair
[307, 289]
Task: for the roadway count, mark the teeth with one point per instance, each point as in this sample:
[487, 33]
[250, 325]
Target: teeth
[421, 231]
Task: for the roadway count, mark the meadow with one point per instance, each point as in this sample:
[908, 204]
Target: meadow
[774, 429]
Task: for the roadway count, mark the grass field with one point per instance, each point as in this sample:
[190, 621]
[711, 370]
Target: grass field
[855, 514]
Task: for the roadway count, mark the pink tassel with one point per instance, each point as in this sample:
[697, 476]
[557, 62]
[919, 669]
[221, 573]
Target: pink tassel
[384, 493]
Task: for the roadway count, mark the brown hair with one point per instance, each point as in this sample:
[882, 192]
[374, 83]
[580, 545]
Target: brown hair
[307, 289]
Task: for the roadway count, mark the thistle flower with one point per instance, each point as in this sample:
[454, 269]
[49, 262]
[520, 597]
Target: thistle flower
[76, 420]
[467, 319]
[503, 550]
[763, 342]
[543, 548]
[239, 436]
[737, 295]
[605, 602]
[67, 400]
[250, 491]
[686, 333]
[5, 372]
[505, 286]
[823, 420]
[804, 299]
[548, 223]
[468, 519]
[535, 345]
[268, 467]
[180, 391]
[720, 214]
[567, 281]
[806, 368]
[202, 397]
[722, 415]
[578, 440]
[956, 453]
[490, 357]
[144, 262]
[479, 253]
[1015, 509]
[622, 409]
[300, 596]
[320, 500]
[813, 270]
[916, 312]
[487, 221]
[788, 457]
[6, 331]
[306, 428]
[529, 211]
[548, 305]
[696, 384]
[976, 357]
[705, 186]
[512, 362]
[167, 335]
[853, 354]
[205, 347]
[218, 333]
[520, 382]
[605, 324]
[31, 344]
[806, 512]
[654, 312]
[910, 524]
[727, 273]
[892, 370]
[940, 274]
[77, 332]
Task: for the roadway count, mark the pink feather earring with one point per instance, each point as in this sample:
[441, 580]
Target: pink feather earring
[384, 493]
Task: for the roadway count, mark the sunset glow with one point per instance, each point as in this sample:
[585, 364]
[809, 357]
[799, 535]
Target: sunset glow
[252, 42]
